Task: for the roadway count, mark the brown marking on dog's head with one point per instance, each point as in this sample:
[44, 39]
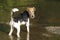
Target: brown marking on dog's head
[31, 11]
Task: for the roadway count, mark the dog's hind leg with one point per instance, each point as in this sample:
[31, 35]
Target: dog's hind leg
[11, 30]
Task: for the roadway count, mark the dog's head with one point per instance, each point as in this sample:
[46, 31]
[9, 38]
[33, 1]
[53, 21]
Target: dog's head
[31, 11]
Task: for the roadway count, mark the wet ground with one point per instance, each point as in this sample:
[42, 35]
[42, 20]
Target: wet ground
[37, 32]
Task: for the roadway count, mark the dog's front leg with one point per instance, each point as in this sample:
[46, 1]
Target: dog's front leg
[18, 31]
[27, 25]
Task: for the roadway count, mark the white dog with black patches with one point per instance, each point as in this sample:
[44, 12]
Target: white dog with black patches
[22, 19]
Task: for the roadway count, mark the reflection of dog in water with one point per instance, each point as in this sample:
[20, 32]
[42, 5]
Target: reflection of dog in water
[22, 19]
[12, 38]
[18, 38]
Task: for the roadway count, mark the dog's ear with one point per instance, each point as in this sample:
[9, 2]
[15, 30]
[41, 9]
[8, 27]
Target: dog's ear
[34, 8]
[27, 9]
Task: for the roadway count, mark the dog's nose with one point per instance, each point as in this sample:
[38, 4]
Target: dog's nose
[32, 17]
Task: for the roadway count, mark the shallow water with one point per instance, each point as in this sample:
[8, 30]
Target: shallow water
[37, 32]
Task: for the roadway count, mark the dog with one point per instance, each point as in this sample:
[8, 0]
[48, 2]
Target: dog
[21, 19]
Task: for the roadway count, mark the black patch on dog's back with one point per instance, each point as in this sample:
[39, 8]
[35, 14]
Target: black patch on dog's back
[22, 17]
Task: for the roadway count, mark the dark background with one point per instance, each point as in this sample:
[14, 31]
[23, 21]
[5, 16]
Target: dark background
[47, 11]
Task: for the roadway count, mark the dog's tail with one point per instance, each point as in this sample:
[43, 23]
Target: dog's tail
[13, 11]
